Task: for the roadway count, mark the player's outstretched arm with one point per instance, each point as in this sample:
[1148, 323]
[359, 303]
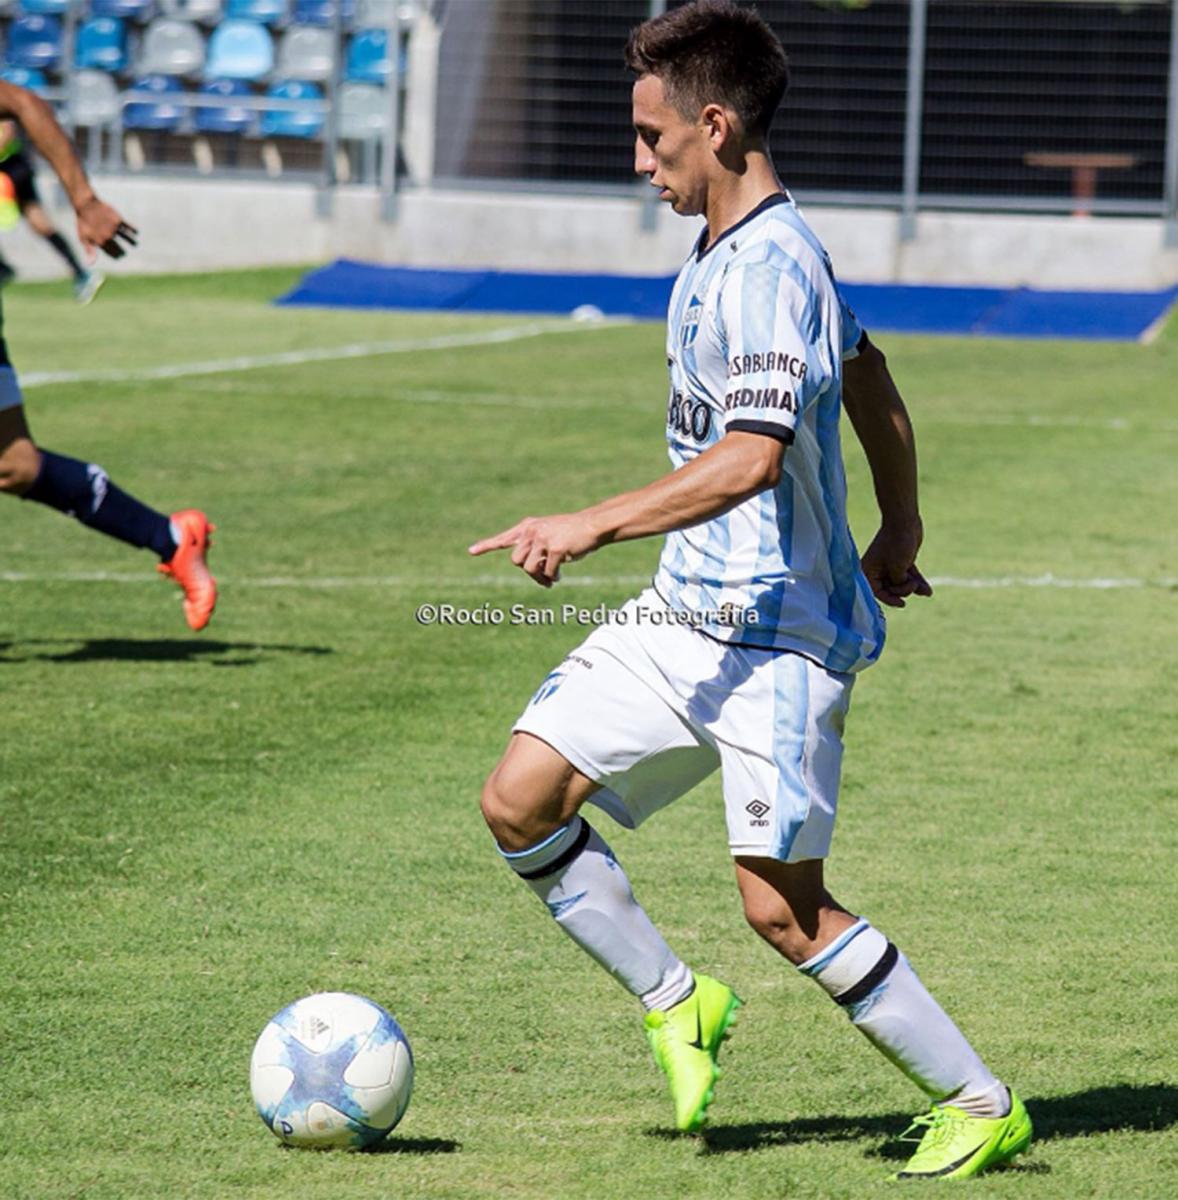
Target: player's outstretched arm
[738, 466]
[99, 225]
[882, 426]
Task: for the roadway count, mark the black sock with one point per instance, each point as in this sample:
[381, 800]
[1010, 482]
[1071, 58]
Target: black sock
[63, 248]
[84, 491]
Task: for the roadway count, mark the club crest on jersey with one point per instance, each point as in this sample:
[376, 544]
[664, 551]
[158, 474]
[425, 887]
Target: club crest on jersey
[690, 326]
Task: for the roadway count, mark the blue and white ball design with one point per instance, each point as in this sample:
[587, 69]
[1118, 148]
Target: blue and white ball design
[331, 1069]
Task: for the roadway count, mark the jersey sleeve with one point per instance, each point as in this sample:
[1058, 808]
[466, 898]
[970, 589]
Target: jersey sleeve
[777, 360]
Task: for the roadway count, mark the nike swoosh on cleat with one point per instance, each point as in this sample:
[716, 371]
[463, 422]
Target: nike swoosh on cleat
[943, 1171]
[699, 1033]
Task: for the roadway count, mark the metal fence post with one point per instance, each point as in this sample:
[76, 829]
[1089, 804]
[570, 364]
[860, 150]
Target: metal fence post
[325, 197]
[391, 142]
[1171, 177]
[913, 118]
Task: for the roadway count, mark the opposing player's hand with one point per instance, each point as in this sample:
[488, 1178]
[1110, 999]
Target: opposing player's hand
[890, 565]
[101, 227]
[541, 545]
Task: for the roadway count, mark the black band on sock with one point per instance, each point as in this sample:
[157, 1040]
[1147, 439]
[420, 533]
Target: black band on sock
[872, 979]
[562, 860]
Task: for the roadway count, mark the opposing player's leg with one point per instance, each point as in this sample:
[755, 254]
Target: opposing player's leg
[593, 731]
[85, 492]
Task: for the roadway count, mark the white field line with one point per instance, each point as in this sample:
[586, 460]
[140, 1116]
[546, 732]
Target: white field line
[426, 585]
[289, 358]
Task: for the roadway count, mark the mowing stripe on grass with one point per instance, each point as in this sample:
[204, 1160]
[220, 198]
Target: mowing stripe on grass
[294, 358]
[459, 584]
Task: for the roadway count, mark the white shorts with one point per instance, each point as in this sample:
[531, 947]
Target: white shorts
[10, 396]
[648, 707]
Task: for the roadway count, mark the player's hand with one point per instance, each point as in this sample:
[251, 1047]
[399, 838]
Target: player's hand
[541, 545]
[890, 564]
[101, 227]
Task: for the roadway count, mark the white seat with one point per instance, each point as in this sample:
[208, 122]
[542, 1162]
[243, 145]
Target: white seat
[306, 52]
[363, 112]
[171, 48]
[206, 12]
[94, 99]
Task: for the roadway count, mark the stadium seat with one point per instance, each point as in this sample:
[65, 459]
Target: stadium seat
[363, 111]
[306, 52]
[287, 122]
[264, 12]
[34, 42]
[26, 77]
[171, 48]
[124, 10]
[43, 8]
[238, 119]
[240, 50]
[94, 99]
[322, 13]
[155, 114]
[374, 14]
[368, 57]
[202, 12]
[101, 43]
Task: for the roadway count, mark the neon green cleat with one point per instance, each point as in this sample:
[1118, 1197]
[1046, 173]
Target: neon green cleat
[686, 1039]
[955, 1145]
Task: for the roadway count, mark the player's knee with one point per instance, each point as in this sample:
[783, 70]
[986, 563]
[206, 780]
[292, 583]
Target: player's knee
[502, 811]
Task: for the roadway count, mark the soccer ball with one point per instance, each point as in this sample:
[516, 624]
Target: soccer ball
[331, 1069]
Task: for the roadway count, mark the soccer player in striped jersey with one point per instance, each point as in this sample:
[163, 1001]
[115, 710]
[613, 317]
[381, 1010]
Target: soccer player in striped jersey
[743, 653]
[80, 489]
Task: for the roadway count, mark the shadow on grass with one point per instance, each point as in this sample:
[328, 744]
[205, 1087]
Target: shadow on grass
[395, 1145]
[195, 649]
[1143, 1108]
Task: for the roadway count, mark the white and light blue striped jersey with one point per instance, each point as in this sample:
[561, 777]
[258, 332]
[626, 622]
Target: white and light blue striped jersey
[756, 335]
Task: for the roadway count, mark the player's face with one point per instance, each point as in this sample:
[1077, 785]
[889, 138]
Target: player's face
[672, 152]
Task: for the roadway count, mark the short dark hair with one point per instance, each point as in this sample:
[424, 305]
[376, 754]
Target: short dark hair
[714, 52]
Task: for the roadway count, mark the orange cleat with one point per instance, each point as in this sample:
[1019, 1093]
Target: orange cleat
[189, 569]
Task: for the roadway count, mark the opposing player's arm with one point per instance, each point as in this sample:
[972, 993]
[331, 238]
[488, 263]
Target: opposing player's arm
[736, 467]
[98, 223]
[881, 423]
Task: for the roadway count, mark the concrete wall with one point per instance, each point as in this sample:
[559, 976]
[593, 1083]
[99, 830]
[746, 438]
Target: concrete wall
[192, 225]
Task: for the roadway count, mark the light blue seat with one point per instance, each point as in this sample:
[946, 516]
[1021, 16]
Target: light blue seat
[322, 13]
[240, 50]
[171, 48]
[34, 42]
[238, 119]
[26, 77]
[264, 12]
[101, 43]
[43, 8]
[288, 123]
[161, 114]
[124, 10]
[368, 57]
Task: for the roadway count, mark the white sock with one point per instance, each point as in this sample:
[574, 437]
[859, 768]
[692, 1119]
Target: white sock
[872, 980]
[585, 889]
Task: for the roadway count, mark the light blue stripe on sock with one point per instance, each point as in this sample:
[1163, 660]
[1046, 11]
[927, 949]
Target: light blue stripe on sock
[813, 965]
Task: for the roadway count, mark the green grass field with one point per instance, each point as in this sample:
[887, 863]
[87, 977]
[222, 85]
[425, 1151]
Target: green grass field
[195, 830]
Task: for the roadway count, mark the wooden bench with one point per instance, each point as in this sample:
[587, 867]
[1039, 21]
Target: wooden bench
[1084, 169]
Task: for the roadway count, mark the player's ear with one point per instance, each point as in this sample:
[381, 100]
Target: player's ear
[717, 121]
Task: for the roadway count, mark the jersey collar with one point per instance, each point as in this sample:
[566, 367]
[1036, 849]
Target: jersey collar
[769, 202]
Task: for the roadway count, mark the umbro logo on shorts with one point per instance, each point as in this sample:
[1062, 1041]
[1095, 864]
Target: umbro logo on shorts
[757, 810]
